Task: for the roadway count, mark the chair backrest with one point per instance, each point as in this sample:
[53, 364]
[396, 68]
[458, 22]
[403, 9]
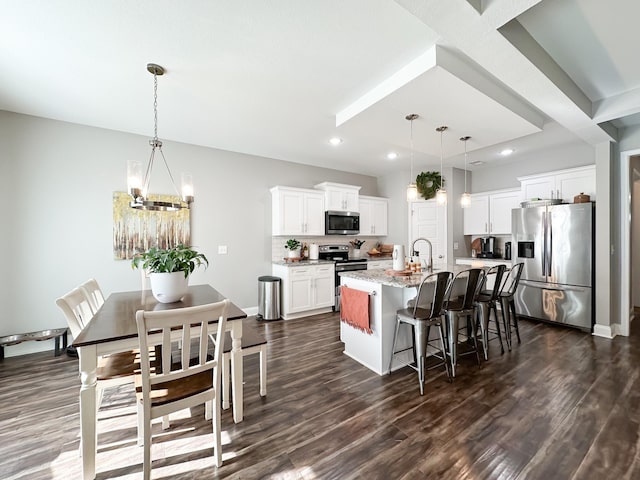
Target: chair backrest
[76, 309]
[93, 293]
[186, 323]
[466, 284]
[495, 273]
[432, 297]
[510, 284]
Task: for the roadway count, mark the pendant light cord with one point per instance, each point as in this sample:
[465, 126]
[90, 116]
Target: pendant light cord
[155, 106]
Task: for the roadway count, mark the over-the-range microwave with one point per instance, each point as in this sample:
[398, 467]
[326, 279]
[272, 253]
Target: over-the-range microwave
[341, 223]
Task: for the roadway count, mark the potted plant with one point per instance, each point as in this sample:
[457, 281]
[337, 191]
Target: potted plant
[293, 246]
[169, 270]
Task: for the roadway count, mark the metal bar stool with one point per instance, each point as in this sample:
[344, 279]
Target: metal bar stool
[468, 283]
[486, 302]
[422, 316]
[508, 304]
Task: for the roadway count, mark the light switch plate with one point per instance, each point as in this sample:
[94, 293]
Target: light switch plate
[455, 245]
[222, 249]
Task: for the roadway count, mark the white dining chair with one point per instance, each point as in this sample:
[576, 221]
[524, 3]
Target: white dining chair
[166, 390]
[94, 294]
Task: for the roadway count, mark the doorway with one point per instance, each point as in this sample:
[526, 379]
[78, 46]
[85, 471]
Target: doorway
[629, 237]
[428, 220]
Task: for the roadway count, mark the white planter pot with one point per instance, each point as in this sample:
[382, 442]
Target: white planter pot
[169, 287]
[356, 253]
[293, 253]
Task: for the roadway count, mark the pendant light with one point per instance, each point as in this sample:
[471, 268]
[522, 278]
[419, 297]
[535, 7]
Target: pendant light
[441, 193]
[412, 189]
[465, 199]
[138, 185]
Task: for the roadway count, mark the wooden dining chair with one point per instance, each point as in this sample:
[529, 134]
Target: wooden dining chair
[165, 390]
[93, 293]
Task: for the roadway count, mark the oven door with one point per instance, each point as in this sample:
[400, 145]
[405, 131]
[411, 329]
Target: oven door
[345, 267]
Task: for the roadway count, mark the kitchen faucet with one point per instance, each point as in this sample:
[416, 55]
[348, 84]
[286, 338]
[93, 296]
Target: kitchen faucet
[414, 252]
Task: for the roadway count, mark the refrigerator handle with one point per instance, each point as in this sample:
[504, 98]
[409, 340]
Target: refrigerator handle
[544, 243]
[549, 244]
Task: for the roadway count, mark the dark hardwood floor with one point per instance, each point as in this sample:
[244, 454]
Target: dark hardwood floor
[562, 405]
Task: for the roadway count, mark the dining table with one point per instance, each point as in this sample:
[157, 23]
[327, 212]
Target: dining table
[113, 329]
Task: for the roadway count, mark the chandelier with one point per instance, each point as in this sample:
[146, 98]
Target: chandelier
[138, 186]
[412, 189]
[441, 193]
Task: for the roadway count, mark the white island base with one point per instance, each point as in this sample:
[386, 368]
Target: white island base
[374, 350]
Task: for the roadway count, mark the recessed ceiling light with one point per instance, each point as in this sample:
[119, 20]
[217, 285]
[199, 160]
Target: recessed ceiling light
[392, 155]
[506, 151]
[335, 141]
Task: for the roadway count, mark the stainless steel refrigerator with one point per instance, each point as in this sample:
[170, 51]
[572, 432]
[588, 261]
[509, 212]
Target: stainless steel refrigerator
[555, 243]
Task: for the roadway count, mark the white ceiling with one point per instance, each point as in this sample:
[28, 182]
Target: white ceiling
[279, 78]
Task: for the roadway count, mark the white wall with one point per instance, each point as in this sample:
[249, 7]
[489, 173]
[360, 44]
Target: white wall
[57, 184]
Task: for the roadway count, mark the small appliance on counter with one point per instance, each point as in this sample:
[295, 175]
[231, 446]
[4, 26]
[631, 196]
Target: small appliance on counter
[398, 258]
[313, 251]
[507, 251]
[488, 248]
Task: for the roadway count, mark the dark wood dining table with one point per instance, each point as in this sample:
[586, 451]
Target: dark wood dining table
[113, 329]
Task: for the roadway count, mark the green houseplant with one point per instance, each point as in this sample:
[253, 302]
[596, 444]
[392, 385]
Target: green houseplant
[169, 270]
[293, 246]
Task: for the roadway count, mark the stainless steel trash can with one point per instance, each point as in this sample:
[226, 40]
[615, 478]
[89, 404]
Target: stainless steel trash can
[268, 298]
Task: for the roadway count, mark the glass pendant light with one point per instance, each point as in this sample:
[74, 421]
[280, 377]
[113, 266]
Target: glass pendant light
[465, 199]
[137, 184]
[441, 193]
[412, 189]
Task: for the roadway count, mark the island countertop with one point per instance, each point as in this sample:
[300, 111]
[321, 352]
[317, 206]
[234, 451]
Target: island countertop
[380, 276]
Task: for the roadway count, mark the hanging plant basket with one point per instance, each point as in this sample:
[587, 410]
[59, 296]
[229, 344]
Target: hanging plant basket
[427, 184]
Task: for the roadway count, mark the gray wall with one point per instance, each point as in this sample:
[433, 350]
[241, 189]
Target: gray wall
[57, 184]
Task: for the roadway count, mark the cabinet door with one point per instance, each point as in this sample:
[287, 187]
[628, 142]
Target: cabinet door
[291, 215]
[300, 294]
[429, 220]
[500, 206]
[476, 216]
[539, 187]
[334, 199]
[313, 214]
[574, 183]
[366, 218]
[350, 199]
[379, 210]
[324, 288]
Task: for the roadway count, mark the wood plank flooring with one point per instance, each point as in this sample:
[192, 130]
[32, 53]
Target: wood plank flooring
[561, 405]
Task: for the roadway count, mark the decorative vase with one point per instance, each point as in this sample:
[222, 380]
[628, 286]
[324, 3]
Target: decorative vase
[356, 253]
[169, 287]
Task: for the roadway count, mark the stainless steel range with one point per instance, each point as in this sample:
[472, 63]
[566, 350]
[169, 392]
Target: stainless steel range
[340, 254]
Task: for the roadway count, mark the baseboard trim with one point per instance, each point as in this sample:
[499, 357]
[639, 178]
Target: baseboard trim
[604, 331]
[250, 311]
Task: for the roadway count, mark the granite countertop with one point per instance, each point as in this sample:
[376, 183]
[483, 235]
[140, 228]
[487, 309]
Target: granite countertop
[303, 263]
[379, 275]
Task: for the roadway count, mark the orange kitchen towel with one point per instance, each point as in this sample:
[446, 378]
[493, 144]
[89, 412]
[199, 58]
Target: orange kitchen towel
[354, 309]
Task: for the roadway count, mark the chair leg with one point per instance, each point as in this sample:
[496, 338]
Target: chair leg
[452, 332]
[443, 351]
[420, 348]
[263, 371]
[226, 381]
[483, 316]
[513, 315]
[216, 425]
[146, 462]
[495, 316]
[393, 347]
[474, 335]
[504, 307]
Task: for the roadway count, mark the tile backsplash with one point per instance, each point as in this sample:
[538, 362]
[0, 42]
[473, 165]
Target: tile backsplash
[278, 252]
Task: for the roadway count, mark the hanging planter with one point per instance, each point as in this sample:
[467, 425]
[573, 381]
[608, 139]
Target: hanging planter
[428, 183]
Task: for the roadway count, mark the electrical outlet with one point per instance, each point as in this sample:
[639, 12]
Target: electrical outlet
[455, 245]
[222, 249]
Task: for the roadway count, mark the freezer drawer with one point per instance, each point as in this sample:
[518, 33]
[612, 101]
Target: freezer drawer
[564, 304]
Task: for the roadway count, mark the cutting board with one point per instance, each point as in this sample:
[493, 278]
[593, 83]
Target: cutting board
[477, 245]
[401, 273]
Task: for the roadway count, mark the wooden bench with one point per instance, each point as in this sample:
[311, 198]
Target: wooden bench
[56, 333]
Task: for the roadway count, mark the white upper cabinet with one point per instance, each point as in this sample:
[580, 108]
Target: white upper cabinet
[490, 212]
[297, 211]
[340, 197]
[562, 184]
[373, 216]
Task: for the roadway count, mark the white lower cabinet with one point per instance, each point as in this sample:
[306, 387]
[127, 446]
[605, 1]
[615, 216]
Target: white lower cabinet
[306, 289]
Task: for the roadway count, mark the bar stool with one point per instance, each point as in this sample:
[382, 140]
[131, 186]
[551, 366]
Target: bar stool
[486, 302]
[422, 316]
[508, 304]
[468, 283]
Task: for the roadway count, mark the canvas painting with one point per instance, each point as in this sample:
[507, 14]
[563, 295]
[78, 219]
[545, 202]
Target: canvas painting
[135, 231]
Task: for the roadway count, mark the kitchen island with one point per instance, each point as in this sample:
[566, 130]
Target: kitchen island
[387, 294]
